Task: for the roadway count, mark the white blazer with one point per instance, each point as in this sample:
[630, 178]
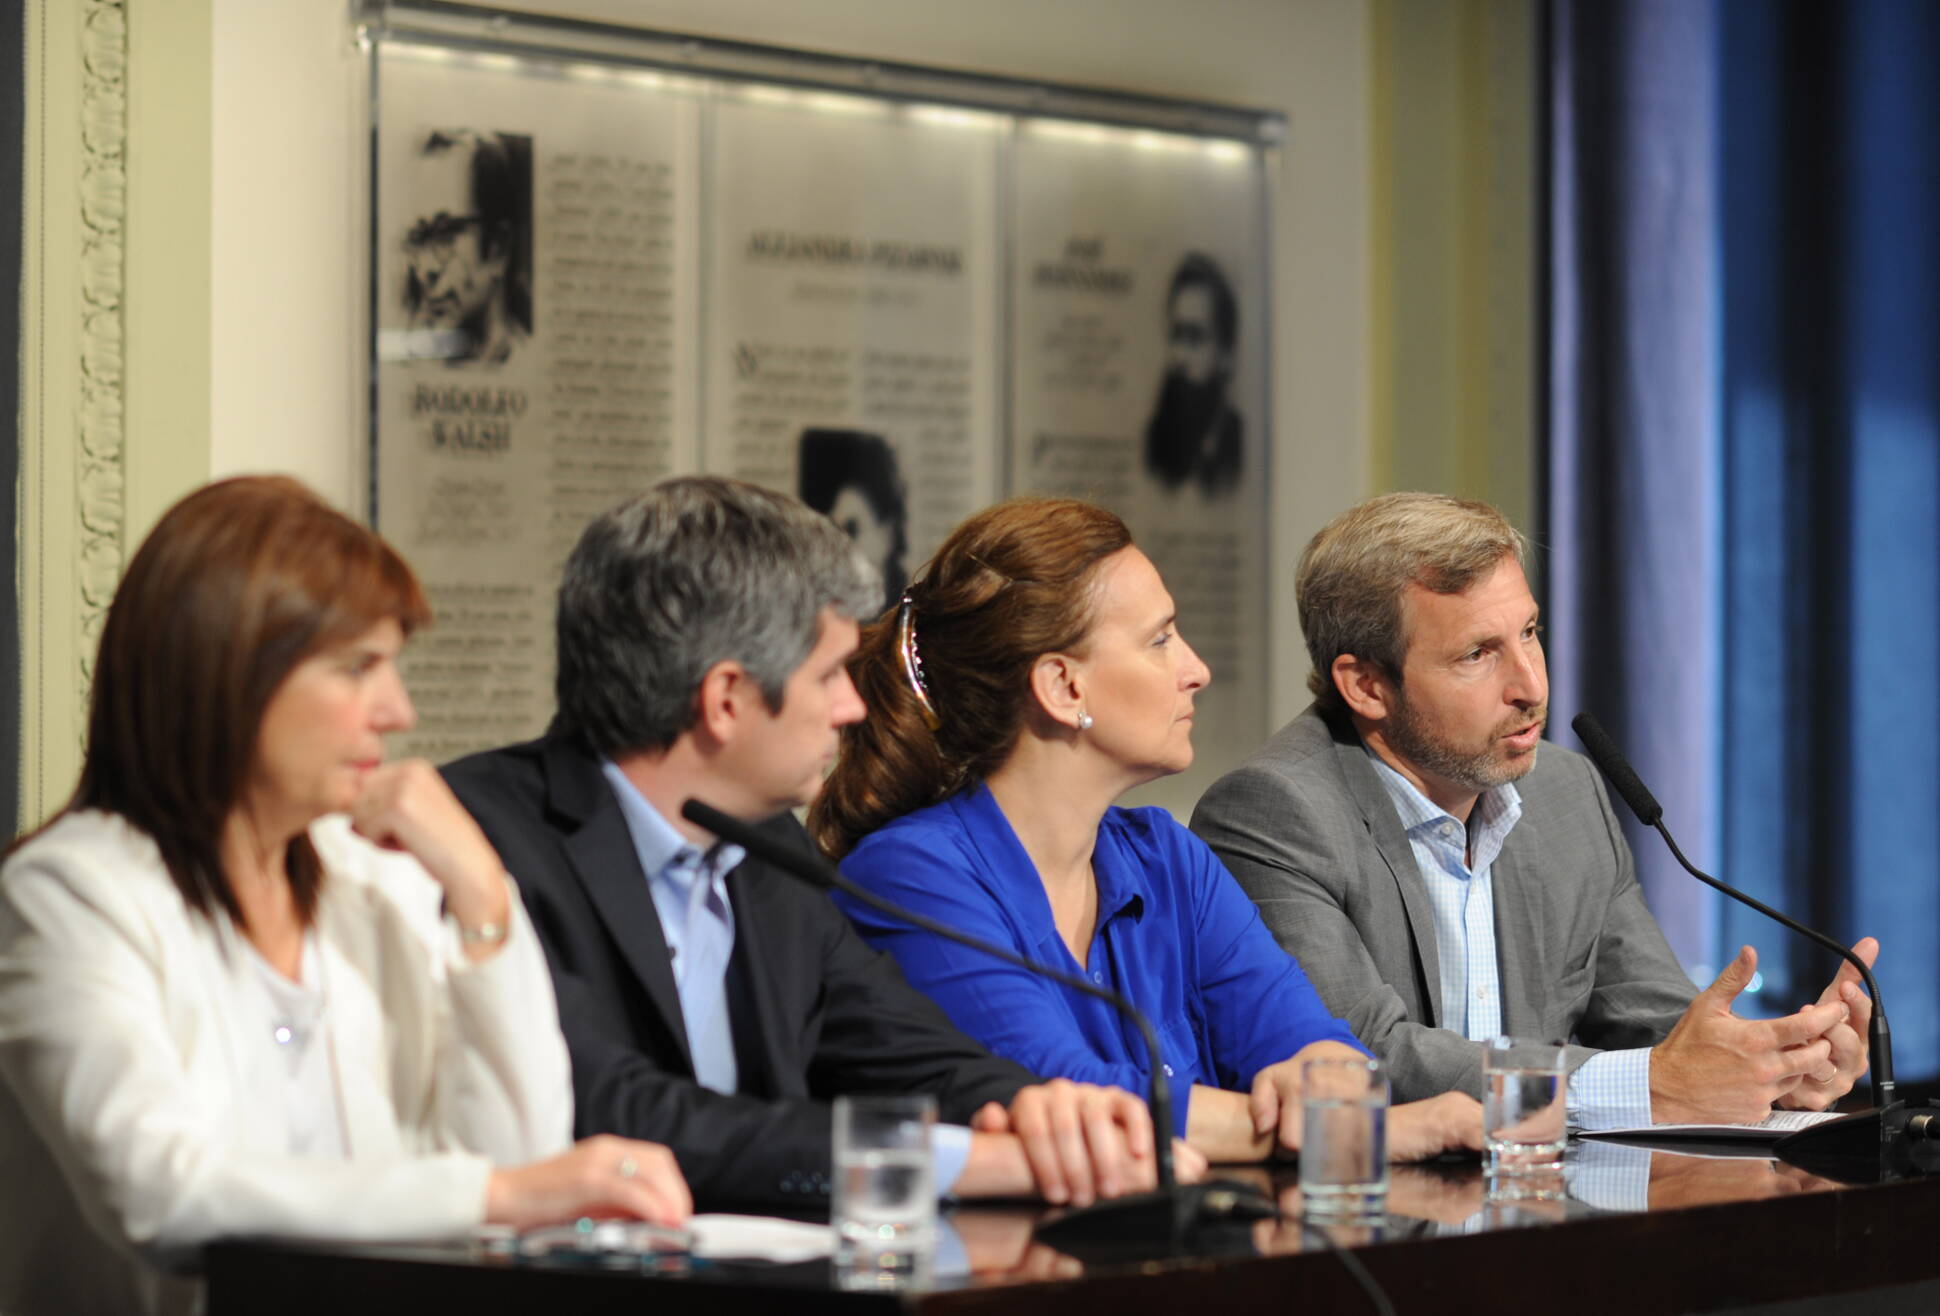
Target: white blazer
[124, 1144]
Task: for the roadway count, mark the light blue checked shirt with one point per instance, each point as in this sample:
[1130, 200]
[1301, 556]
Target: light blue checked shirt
[689, 892]
[1611, 1089]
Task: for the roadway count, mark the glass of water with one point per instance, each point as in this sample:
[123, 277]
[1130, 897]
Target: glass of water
[1344, 1138]
[884, 1206]
[1522, 1106]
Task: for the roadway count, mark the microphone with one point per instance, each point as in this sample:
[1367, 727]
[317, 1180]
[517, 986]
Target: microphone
[1125, 1226]
[1631, 787]
[1859, 1135]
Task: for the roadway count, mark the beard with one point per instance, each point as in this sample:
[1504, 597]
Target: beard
[1479, 766]
[1181, 418]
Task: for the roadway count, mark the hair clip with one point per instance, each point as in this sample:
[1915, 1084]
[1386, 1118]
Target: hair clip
[913, 661]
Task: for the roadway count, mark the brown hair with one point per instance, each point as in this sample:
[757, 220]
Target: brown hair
[237, 584]
[1352, 576]
[1012, 583]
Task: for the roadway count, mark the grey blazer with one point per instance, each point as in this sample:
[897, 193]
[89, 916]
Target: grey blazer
[1309, 831]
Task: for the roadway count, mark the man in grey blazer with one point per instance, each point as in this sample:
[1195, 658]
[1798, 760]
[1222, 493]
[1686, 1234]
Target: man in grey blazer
[1441, 881]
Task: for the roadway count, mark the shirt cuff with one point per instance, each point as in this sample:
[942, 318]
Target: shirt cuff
[949, 1153]
[1611, 1090]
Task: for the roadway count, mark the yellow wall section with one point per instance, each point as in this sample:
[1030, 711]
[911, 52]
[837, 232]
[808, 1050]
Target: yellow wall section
[1452, 258]
[170, 154]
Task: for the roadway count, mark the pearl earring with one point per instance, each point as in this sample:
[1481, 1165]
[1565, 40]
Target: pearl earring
[1084, 720]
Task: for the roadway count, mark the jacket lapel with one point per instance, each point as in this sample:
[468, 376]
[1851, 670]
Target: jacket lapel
[365, 1087]
[601, 851]
[761, 959]
[1377, 813]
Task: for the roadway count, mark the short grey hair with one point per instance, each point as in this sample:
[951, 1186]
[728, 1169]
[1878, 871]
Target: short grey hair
[696, 571]
[1354, 572]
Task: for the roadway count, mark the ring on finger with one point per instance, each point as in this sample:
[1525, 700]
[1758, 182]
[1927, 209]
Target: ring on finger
[629, 1167]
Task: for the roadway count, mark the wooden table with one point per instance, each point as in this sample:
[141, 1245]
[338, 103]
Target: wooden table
[1695, 1235]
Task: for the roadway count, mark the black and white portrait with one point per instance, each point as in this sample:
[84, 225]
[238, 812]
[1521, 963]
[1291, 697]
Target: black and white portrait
[468, 257]
[852, 478]
[1194, 435]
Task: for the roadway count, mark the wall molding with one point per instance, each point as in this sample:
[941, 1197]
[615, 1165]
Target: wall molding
[115, 343]
[101, 504]
[72, 506]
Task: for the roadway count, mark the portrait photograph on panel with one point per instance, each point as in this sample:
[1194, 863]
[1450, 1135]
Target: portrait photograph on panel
[1195, 435]
[468, 254]
[852, 478]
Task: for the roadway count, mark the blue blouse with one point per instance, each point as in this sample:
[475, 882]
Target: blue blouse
[1175, 934]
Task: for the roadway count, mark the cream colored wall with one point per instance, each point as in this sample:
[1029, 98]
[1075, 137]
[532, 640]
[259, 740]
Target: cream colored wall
[287, 230]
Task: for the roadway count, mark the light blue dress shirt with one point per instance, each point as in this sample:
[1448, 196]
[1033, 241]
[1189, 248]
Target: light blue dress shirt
[1612, 1088]
[689, 891]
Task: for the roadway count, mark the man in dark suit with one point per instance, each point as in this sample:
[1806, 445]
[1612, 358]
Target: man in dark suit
[1443, 881]
[710, 1001]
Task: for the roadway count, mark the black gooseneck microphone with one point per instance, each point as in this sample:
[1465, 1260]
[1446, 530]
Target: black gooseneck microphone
[1124, 1226]
[1858, 1136]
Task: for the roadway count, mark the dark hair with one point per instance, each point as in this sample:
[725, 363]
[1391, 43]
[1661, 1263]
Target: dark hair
[236, 584]
[1014, 582]
[1203, 270]
[695, 571]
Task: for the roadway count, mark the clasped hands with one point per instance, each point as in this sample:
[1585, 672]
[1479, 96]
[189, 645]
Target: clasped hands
[1417, 1130]
[1715, 1066]
[1069, 1143]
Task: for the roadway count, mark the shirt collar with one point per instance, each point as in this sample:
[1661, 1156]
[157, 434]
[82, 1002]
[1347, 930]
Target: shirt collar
[654, 838]
[1496, 809]
[1121, 885]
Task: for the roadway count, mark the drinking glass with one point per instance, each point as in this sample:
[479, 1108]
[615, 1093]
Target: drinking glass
[884, 1198]
[1522, 1106]
[1344, 1138]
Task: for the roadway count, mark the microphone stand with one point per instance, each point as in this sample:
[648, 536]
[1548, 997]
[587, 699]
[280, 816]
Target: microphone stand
[1868, 1144]
[1135, 1225]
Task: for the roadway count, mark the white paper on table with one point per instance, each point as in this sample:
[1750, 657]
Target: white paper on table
[720, 1237]
[759, 1237]
[1770, 1129]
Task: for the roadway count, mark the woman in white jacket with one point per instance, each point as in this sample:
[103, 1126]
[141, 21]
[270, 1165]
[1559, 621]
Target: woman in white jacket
[253, 979]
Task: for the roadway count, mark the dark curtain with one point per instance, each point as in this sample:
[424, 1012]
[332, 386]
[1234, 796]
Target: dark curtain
[1744, 420]
[1632, 414]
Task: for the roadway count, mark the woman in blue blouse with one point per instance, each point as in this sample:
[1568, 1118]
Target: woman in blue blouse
[1032, 676]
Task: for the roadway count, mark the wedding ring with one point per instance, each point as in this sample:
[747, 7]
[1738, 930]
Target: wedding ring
[628, 1167]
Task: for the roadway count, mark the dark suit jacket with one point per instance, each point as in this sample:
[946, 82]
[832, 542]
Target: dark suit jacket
[817, 1013]
[1311, 834]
